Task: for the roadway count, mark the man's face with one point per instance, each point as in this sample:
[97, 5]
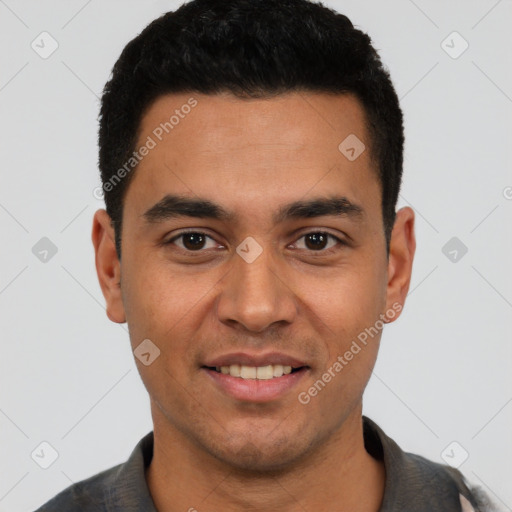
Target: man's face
[319, 281]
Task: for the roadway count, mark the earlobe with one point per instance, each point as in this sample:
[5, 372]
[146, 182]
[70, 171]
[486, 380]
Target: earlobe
[401, 255]
[108, 266]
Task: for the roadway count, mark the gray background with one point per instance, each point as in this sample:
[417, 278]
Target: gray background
[67, 373]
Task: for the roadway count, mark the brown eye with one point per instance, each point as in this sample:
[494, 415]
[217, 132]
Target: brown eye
[192, 241]
[316, 241]
[319, 241]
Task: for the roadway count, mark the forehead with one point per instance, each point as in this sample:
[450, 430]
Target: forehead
[245, 151]
[296, 117]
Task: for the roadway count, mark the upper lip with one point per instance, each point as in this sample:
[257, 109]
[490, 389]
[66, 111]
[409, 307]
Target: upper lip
[246, 359]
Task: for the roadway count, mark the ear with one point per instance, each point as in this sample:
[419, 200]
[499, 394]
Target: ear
[108, 266]
[401, 255]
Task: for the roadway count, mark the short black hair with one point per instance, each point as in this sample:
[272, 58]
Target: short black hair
[252, 49]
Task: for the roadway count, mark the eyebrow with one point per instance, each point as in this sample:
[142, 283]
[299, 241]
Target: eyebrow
[172, 206]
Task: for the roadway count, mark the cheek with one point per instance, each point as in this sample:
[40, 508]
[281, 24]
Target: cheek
[167, 305]
[160, 305]
[155, 297]
[347, 300]
[347, 312]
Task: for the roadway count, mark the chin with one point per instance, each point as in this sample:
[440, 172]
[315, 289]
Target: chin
[262, 454]
[251, 459]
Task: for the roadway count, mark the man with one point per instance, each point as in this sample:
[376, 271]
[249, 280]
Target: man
[251, 159]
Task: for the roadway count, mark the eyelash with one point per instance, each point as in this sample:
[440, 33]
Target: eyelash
[319, 251]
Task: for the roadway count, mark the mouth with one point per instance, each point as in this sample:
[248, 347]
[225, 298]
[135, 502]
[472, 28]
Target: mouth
[267, 372]
[255, 378]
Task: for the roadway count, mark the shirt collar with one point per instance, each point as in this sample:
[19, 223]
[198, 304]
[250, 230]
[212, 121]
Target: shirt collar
[413, 483]
[129, 490]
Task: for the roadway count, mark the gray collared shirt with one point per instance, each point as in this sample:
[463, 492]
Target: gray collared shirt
[413, 483]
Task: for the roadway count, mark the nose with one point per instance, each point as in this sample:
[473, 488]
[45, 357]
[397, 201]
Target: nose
[255, 295]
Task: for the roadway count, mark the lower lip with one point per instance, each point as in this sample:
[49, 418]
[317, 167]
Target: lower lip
[254, 390]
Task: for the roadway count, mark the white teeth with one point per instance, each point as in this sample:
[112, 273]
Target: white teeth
[265, 372]
[255, 372]
[278, 370]
[235, 370]
[248, 372]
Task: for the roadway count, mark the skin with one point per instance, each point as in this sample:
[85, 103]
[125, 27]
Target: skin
[213, 452]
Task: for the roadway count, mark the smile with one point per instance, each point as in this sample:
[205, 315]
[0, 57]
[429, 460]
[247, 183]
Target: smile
[267, 372]
[256, 384]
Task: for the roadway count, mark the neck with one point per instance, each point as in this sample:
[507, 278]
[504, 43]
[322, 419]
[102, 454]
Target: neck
[340, 476]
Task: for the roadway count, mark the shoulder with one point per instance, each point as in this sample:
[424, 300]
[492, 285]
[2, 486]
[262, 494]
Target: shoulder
[417, 484]
[87, 495]
[120, 488]
[441, 479]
